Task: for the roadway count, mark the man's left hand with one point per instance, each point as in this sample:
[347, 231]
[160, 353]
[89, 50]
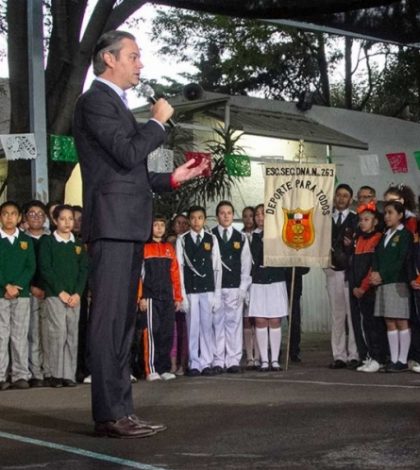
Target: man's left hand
[185, 172]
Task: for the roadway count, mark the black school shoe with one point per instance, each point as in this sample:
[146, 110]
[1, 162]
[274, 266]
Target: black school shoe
[68, 383]
[217, 370]
[56, 383]
[353, 364]
[4, 385]
[207, 371]
[295, 358]
[20, 384]
[36, 383]
[193, 373]
[338, 364]
[397, 367]
[264, 367]
[233, 370]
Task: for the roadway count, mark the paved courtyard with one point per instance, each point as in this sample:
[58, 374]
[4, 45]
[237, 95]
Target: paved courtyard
[308, 418]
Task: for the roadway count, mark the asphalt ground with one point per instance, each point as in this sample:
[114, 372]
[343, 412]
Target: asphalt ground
[308, 418]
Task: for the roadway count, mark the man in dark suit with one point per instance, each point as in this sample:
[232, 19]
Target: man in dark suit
[117, 203]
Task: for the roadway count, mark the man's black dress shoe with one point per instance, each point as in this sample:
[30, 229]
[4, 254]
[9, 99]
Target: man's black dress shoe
[193, 373]
[338, 364]
[217, 370]
[123, 428]
[207, 371]
[143, 423]
[233, 370]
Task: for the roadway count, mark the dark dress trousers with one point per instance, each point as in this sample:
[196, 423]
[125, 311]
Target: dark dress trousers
[117, 218]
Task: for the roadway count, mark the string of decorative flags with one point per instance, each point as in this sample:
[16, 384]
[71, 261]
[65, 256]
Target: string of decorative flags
[63, 149]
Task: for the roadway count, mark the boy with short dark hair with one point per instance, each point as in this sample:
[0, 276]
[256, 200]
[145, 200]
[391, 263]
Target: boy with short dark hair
[236, 279]
[201, 279]
[344, 226]
[36, 215]
[17, 266]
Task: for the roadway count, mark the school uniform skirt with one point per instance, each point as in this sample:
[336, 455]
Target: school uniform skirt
[268, 300]
[392, 301]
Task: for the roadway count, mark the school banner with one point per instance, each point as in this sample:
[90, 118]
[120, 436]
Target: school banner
[298, 213]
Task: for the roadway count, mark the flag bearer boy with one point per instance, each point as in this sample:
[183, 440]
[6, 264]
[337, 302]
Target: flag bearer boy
[236, 279]
[17, 266]
[201, 278]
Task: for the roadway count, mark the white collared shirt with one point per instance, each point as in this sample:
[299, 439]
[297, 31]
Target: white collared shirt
[344, 214]
[390, 233]
[229, 231]
[12, 237]
[195, 234]
[63, 240]
[37, 237]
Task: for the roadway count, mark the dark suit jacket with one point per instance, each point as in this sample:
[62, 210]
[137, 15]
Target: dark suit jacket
[113, 150]
[340, 255]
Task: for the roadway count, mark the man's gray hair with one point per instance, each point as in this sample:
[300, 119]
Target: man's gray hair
[108, 42]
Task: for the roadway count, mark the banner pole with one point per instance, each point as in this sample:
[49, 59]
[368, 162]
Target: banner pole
[289, 328]
[292, 285]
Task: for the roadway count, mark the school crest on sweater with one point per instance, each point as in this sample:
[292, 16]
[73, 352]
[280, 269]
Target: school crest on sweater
[298, 228]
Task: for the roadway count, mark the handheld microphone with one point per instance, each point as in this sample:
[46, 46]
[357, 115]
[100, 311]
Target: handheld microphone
[149, 93]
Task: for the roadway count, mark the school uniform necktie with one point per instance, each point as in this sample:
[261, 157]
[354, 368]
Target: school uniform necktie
[225, 235]
[198, 240]
[340, 219]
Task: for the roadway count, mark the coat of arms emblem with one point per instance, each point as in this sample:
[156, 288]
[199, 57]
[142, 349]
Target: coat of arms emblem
[298, 229]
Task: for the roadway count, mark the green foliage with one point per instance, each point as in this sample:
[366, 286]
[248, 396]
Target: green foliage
[237, 56]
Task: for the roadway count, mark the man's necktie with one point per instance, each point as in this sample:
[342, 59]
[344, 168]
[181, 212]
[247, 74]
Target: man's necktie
[198, 240]
[340, 219]
[225, 235]
[124, 99]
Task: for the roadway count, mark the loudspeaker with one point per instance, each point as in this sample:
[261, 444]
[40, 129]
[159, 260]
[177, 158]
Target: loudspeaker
[192, 91]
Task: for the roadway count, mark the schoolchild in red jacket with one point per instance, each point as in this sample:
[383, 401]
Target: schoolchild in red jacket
[369, 331]
[159, 297]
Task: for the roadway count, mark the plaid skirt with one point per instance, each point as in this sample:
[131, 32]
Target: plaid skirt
[393, 301]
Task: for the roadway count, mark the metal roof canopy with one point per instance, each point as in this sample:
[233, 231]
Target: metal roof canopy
[256, 116]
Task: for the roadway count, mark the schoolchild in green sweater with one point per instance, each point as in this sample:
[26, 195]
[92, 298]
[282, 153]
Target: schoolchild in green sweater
[17, 266]
[390, 274]
[35, 214]
[63, 265]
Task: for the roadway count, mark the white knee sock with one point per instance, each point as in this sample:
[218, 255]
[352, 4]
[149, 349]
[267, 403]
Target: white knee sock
[393, 344]
[254, 343]
[248, 344]
[275, 342]
[405, 340]
[262, 341]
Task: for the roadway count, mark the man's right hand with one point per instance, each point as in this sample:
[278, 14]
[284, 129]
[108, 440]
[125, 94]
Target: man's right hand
[162, 111]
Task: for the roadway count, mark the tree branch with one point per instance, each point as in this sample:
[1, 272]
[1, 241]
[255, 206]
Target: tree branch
[369, 70]
[122, 12]
[285, 9]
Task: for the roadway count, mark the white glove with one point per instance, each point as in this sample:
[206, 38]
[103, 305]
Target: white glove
[185, 305]
[215, 301]
[241, 297]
